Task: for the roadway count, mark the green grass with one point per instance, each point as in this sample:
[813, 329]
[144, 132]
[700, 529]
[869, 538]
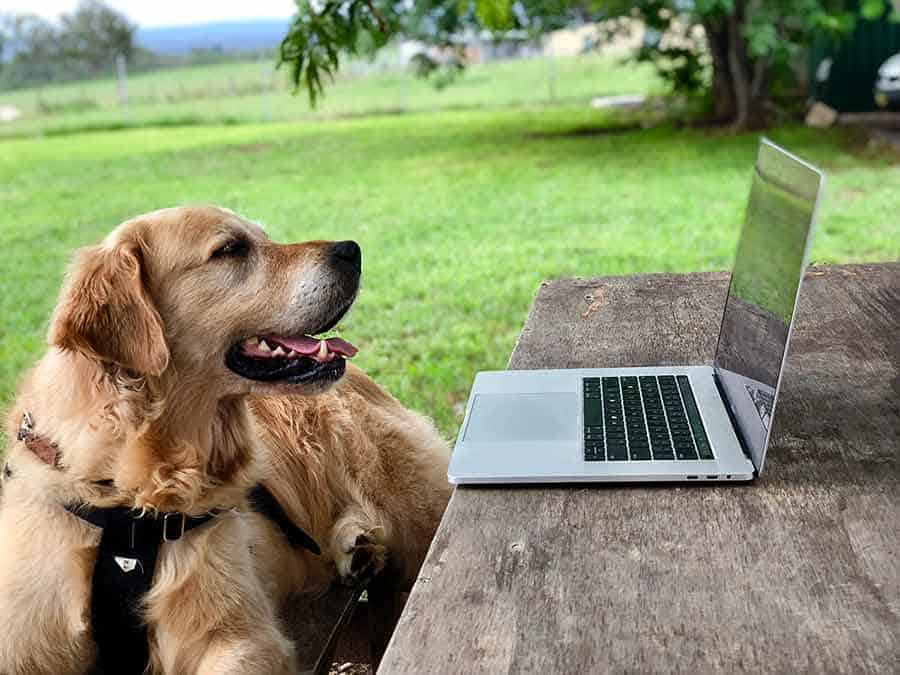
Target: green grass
[248, 92]
[460, 215]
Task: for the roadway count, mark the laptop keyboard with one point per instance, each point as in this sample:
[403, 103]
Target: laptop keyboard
[642, 418]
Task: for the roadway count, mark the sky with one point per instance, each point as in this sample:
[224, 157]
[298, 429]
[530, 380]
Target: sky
[148, 13]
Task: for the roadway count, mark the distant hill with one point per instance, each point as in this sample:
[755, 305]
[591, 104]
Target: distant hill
[226, 35]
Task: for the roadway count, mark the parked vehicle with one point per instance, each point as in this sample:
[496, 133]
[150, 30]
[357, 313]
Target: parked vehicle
[887, 86]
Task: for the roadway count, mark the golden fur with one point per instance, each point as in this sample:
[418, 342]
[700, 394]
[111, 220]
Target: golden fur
[134, 388]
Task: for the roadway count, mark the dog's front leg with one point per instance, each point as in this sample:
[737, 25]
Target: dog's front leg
[46, 558]
[253, 654]
[208, 610]
[358, 542]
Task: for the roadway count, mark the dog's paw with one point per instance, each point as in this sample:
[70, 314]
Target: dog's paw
[361, 560]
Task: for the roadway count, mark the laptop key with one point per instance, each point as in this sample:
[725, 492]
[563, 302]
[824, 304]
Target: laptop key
[704, 450]
[640, 454]
[616, 453]
[593, 412]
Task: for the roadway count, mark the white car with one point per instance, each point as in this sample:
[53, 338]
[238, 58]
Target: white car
[887, 86]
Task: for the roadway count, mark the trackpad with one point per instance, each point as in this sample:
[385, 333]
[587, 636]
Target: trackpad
[523, 418]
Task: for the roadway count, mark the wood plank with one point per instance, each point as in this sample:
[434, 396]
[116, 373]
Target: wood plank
[799, 571]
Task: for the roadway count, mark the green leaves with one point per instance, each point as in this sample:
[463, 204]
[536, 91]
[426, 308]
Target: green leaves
[319, 33]
[872, 9]
[693, 44]
[492, 14]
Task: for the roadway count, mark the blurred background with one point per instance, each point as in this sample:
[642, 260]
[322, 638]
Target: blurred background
[472, 148]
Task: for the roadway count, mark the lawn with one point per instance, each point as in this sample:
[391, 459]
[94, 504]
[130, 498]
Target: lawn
[460, 215]
[236, 93]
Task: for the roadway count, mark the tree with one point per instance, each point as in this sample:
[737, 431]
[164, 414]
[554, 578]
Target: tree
[29, 48]
[84, 43]
[743, 57]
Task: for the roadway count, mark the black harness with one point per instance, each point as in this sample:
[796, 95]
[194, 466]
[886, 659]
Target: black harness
[126, 560]
[123, 573]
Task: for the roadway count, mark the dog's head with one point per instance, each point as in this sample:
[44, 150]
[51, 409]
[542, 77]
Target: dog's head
[199, 292]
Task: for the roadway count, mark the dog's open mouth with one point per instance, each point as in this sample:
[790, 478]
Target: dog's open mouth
[295, 360]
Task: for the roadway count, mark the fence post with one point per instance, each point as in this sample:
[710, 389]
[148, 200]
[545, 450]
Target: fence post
[267, 89]
[122, 81]
[551, 77]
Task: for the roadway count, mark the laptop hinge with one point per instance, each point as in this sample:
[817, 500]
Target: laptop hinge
[733, 419]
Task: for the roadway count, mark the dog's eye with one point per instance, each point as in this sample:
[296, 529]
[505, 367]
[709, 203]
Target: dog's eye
[234, 248]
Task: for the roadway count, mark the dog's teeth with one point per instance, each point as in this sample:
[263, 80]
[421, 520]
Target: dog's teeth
[278, 351]
[264, 347]
[323, 349]
[292, 354]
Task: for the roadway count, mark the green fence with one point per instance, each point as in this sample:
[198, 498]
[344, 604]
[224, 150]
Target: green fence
[855, 62]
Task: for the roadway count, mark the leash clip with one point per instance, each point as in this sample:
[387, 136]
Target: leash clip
[165, 529]
[26, 427]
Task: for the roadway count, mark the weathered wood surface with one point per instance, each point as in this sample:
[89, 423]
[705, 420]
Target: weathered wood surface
[798, 572]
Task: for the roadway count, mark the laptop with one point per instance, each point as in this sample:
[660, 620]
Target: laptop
[665, 423]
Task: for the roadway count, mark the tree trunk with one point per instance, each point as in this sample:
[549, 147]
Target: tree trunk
[740, 86]
[724, 106]
[737, 66]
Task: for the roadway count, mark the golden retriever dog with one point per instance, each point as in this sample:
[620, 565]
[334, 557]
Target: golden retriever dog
[183, 369]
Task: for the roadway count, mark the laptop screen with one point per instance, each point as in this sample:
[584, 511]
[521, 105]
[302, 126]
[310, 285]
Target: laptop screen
[761, 299]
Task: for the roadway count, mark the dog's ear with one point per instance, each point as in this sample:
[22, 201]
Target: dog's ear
[106, 313]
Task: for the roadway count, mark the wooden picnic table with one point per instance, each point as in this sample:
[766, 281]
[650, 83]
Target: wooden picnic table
[796, 572]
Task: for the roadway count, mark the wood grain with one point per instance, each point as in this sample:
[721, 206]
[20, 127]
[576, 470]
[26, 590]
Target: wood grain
[799, 571]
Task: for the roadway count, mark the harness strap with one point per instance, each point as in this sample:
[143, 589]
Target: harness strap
[166, 526]
[127, 556]
[123, 573]
[264, 502]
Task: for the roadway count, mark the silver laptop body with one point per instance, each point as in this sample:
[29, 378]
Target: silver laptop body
[651, 424]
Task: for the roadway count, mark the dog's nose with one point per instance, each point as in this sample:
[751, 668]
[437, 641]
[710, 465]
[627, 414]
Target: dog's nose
[347, 252]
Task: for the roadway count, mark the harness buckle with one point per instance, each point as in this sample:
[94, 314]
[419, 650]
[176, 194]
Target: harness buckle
[25, 427]
[175, 536]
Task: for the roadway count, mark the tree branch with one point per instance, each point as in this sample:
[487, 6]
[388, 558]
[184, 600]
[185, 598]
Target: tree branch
[382, 24]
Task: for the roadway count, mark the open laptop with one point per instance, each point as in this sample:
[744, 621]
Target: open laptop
[667, 423]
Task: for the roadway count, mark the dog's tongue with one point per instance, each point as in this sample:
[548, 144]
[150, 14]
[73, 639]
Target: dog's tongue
[309, 345]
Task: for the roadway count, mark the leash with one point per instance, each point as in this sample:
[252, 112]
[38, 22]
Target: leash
[127, 555]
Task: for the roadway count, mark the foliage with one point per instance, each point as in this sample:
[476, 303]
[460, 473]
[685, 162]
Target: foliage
[742, 55]
[85, 42]
[317, 35]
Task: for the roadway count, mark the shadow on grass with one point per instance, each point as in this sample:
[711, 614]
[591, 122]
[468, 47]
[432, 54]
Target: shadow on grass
[589, 130]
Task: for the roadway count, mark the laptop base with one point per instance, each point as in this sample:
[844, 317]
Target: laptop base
[530, 427]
